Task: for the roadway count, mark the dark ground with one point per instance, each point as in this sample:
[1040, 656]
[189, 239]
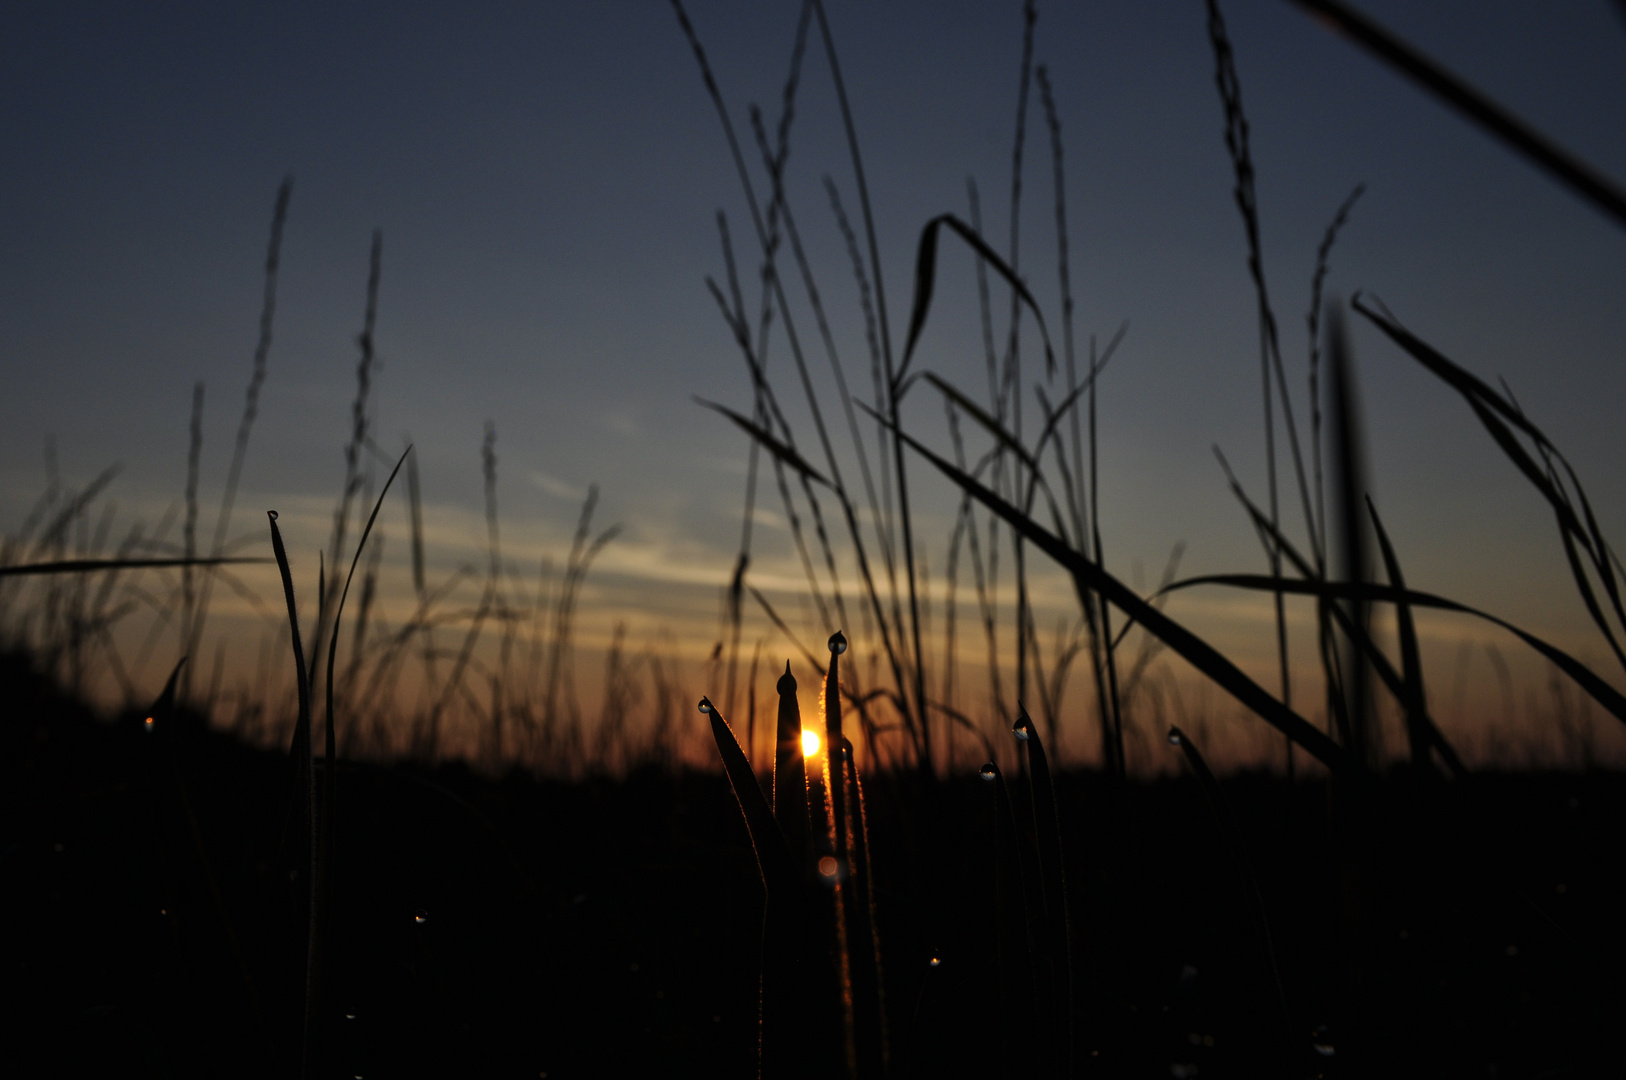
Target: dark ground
[611, 927]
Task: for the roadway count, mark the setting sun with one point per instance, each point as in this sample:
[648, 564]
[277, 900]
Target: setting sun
[810, 742]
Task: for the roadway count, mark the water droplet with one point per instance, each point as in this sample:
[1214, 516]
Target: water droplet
[705, 705]
[838, 643]
[273, 514]
[420, 916]
[936, 962]
[988, 772]
[828, 867]
[1175, 737]
[349, 1016]
[1321, 1039]
[148, 723]
[163, 911]
[1022, 728]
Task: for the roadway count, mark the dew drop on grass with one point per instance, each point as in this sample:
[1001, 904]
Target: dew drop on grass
[1175, 738]
[705, 705]
[1322, 1041]
[936, 961]
[148, 723]
[988, 772]
[1022, 728]
[420, 916]
[828, 867]
[838, 643]
[273, 514]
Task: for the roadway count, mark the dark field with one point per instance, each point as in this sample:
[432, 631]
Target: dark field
[612, 927]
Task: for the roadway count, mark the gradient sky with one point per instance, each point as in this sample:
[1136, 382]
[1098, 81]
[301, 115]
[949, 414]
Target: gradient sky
[546, 177]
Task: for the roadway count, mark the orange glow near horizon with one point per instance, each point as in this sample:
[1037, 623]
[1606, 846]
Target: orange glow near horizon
[810, 742]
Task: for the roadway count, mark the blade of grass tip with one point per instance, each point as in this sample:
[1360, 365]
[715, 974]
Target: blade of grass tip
[301, 748]
[322, 868]
[926, 283]
[778, 449]
[1012, 931]
[1087, 576]
[772, 850]
[1053, 880]
[864, 946]
[838, 873]
[790, 773]
[1039, 1027]
[1232, 834]
[786, 1013]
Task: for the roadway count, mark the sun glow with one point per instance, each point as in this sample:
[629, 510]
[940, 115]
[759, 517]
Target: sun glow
[810, 742]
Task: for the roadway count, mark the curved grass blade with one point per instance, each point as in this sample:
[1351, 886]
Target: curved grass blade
[926, 281]
[304, 784]
[1602, 692]
[1497, 415]
[1088, 576]
[773, 853]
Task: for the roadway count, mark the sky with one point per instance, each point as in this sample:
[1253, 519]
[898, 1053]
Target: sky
[547, 180]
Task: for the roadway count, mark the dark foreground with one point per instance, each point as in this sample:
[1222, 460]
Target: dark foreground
[155, 921]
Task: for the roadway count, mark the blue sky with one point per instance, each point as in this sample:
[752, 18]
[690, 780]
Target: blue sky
[546, 178]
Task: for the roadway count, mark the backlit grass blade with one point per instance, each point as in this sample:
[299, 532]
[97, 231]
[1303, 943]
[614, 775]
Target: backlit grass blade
[792, 1035]
[773, 853]
[790, 773]
[1088, 576]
